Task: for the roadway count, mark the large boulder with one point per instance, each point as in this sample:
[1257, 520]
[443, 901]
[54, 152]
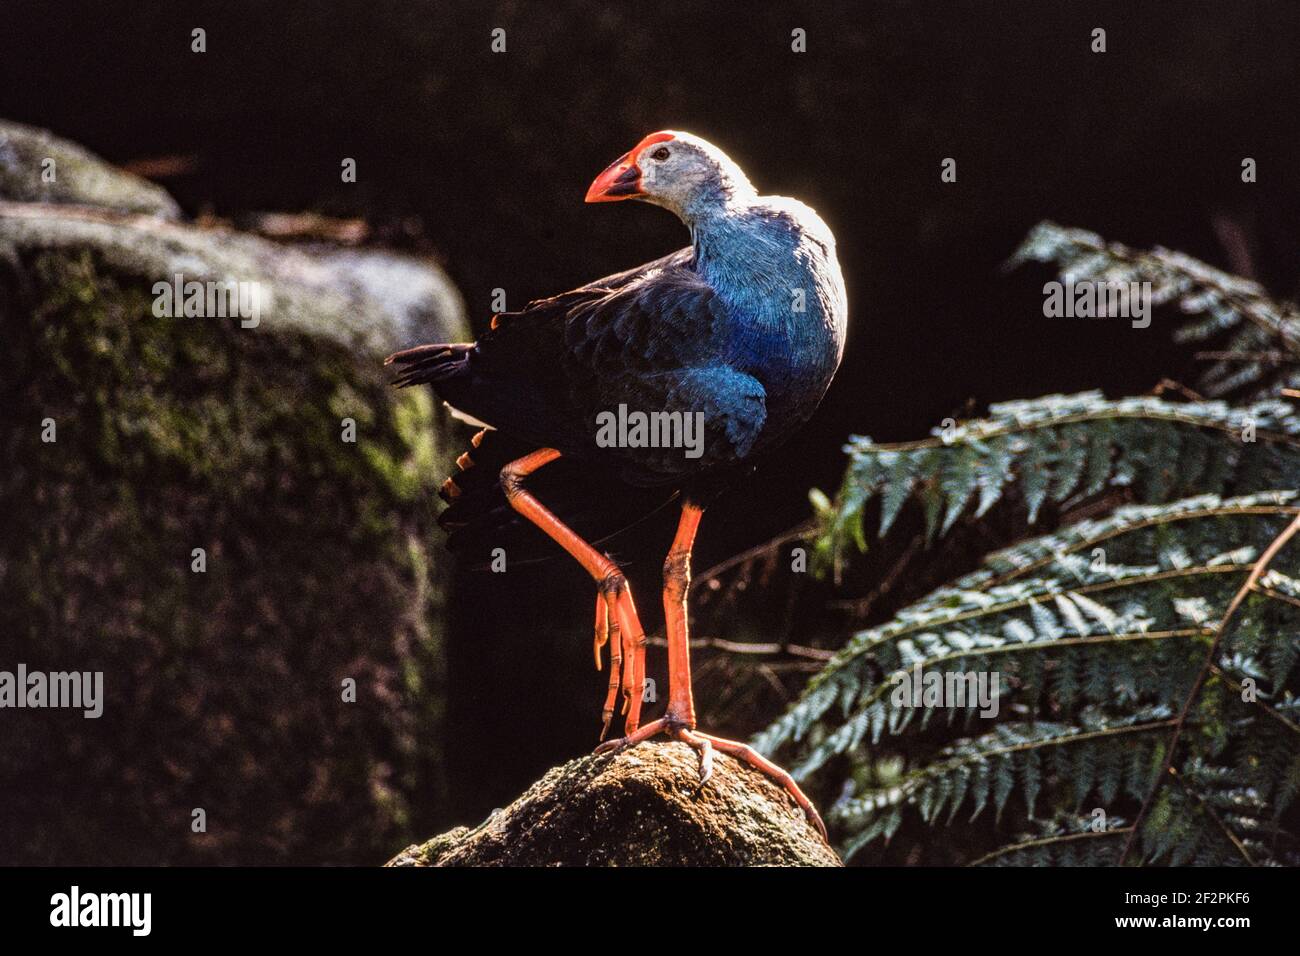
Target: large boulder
[372, 301]
[36, 166]
[231, 522]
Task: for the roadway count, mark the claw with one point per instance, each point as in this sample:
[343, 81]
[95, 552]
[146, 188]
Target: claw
[632, 679]
[602, 627]
[706, 762]
[614, 634]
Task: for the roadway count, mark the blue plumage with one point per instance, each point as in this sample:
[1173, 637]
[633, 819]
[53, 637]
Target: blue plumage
[744, 327]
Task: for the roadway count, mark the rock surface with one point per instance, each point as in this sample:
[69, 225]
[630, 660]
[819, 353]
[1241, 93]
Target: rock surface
[189, 512]
[641, 807]
[36, 166]
[369, 299]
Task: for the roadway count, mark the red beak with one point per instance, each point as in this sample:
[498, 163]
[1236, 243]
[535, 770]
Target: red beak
[622, 178]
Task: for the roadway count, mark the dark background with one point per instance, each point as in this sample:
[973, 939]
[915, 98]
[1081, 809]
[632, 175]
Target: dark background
[481, 159]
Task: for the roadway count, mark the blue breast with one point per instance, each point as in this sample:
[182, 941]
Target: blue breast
[774, 267]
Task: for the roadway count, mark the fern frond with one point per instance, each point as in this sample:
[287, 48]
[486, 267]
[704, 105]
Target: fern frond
[1011, 756]
[1095, 635]
[1066, 448]
[1141, 666]
[1211, 816]
[1054, 593]
[1262, 354]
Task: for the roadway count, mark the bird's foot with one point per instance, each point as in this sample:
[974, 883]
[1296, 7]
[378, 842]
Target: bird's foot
[706, 744]
[617, 625]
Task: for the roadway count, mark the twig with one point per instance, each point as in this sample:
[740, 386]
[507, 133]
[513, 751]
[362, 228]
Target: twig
[1234, 356]
[1172, 385]
[1256, 572]
[797, 533]
[1209, 811]
[861, 607]
[745, 647]
[1231, 682]
[1047, 841]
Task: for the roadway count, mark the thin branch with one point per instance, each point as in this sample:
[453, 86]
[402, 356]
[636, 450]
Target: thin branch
[768, 674]
[1238, 599]
[861, 607]
[1277, 595]
[745, 647]
[1274, 356]
[1209, 811]
[1047, 841]
[798, 533]
[1227, 679]
[1172, 385]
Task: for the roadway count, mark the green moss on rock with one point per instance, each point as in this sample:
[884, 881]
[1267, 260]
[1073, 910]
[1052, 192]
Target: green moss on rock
[368, 299]
[224, 689]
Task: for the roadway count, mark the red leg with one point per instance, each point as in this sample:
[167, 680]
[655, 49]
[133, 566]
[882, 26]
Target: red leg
[602, 627]
[605, 626]
[679, 720]
[617, 615]
[633, 656]
[620, 627]
[677, 582]
[605, 604]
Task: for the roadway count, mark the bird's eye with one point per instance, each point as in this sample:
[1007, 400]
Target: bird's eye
[660, 154]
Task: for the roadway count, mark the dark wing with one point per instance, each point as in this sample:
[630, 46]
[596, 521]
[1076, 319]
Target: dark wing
[651, 339]
[516, 371]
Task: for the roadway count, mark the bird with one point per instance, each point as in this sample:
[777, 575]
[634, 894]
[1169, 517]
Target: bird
[732, 341]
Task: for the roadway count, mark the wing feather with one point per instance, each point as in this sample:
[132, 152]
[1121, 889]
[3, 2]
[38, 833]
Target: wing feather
[652, 339]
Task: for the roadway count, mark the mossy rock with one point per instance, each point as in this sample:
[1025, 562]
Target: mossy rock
[643, 806]
[370, 300]
[36, 166]
[224, 688]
